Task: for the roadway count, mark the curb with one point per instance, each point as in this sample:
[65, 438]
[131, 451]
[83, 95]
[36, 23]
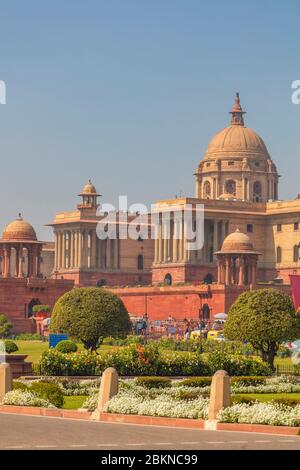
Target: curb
[150, 420]
[47, 412]
[197, 424]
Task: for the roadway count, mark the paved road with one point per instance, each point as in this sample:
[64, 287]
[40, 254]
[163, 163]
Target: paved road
[29, 432]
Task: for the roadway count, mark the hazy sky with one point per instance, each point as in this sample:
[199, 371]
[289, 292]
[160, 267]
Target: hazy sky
[129, 93]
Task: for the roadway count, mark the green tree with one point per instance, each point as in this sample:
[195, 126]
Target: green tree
[89, 314]
[265, 318]
[5, 327]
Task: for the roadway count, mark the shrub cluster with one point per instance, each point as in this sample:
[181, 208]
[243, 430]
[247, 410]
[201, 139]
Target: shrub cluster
[154, 382]
[66, 346]
[195, 382]
[248, 381]
[10, 346]
[48, 391]
[137, 360]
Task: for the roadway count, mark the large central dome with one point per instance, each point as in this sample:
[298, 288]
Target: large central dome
[237, 164]
[237, 141]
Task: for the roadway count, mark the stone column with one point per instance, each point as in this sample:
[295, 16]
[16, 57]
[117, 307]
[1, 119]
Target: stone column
[20, 272]
[241, 271]
[254, 270]
[34, 260]
[79, 249]
[219, 394]
[166, 242]
[216, 244]
[4, 259]
[93, 251]
[109, 387]
[63, 250]
[227, 270]
[5, 380]
[175, 242]
[71, 249]
[16, 273]
[160, 242]
[219, 271]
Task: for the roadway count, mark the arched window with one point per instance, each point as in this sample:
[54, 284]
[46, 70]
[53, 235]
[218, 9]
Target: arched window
[279, 254]
[257, 191]
[140, 262]
[296, 254]
[205, 312]
[207, 189]
[101, 283]
[168, 279]
[31, 304]
[208, 279]
[230, 187]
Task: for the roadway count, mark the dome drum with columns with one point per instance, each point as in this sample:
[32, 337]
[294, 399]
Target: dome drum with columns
[19, 239]
[237, 260]
[237, 165]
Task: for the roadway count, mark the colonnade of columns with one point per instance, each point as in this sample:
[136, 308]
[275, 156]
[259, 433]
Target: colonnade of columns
[20, 259]
[171, 244]
[236, 269]
[81, 248]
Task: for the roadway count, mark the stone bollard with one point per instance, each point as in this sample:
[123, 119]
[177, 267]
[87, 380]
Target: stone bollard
[5, 380]
[109, 387]
[219, 394]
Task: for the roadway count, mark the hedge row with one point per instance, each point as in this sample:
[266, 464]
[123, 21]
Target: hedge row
[137, 360]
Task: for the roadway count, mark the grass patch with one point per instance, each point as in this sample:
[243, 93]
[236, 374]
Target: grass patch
[34, 349]
[74, 402]
[263, 397]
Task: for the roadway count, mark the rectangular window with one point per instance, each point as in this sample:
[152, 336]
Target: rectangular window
[249, 228]
[296, 226]
[230, 163]
[279, 228]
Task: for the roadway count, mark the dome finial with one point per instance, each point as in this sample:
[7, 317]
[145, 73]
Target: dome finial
[19, 216]
[237, 112]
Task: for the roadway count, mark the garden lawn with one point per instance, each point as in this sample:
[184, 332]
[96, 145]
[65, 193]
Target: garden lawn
[74, 402]
[34, 349]
[263, 397]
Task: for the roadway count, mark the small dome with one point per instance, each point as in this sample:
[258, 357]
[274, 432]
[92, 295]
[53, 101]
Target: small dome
[237, 141]
[89, 188]
[19, 230]
[237, 242]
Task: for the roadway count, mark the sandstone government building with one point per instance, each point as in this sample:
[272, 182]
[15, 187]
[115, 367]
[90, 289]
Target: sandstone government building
[252, 239]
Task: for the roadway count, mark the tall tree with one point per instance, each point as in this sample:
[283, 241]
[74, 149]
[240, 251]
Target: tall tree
[265, 318]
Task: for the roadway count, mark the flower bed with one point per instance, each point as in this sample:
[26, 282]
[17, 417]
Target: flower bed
[261, 413]
[24, 398]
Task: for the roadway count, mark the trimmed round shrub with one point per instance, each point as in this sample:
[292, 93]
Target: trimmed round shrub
[48, 391]
[20, 386]
[195, 382]
[10, 346]
[90, 314]
[154, 382]
[66, 346]
[248, 381]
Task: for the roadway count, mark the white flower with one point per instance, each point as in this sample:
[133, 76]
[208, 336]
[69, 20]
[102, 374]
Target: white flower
[21, 398]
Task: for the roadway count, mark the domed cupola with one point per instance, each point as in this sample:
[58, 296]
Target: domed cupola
[237, 163]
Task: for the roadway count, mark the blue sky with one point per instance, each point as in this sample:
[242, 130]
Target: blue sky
[130, 92]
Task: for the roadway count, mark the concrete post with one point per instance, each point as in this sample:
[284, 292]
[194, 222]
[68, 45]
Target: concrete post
[5, 380]
[219, 394]
[109, 387]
